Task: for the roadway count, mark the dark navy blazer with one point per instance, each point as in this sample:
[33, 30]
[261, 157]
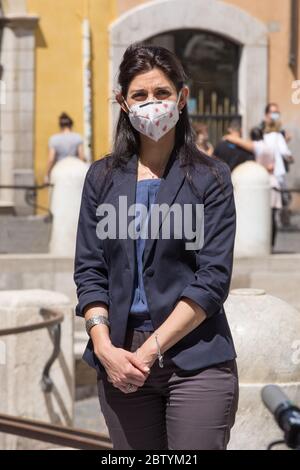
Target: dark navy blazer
[104, 269]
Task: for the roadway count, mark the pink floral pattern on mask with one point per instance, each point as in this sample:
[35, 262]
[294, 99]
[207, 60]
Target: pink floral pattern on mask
[154, 119]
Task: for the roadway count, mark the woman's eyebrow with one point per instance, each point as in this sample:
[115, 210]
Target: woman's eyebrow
[163, 87]
[135, 91]
[156, 88]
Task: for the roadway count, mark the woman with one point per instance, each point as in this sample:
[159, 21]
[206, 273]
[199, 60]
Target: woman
[65, 143]
[159, 338]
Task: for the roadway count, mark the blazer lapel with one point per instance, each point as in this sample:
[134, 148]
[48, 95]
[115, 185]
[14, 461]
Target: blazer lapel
[124, 182]
[170, 184]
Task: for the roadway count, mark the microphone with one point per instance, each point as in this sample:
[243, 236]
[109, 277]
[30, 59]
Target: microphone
[286, 414]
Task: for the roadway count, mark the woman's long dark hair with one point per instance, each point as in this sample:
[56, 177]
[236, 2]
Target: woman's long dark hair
[137, 59]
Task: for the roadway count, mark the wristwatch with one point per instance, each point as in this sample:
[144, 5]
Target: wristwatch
[96, 320]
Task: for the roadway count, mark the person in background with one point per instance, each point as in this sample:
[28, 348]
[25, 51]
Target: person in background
[230, 152]
[273, 120]
[274, 137]
[65, 143]
[264, 155]
[273, 117]
[272, 114]
[202, 138]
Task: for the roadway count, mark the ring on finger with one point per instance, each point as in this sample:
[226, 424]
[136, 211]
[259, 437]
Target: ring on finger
[130, 387]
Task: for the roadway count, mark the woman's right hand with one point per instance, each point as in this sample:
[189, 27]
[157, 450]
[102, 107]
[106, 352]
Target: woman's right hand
[123, 367]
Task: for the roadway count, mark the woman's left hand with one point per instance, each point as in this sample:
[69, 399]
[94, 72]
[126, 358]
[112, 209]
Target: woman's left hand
[145, 356]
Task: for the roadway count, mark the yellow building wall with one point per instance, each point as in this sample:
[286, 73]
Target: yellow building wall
[59, 81]
[281, 77]
[59, 64]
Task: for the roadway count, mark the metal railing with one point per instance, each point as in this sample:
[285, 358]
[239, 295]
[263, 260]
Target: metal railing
[55, 434]
[30, 195]
[292, 190]
[55, 331]
[217, 124]
[59, 435]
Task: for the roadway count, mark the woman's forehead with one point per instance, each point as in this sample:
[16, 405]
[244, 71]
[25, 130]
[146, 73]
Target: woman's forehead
[150, 80]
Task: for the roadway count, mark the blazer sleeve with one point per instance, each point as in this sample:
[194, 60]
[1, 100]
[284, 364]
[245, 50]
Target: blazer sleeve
[90, 267]
[211, 285]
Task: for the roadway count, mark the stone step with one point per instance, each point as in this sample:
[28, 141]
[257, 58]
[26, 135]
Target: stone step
[7, 208]
[24, 234]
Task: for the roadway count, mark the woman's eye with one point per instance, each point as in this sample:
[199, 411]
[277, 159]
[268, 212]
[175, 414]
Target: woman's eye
[163, 93]
[143, 96]
[139, 96]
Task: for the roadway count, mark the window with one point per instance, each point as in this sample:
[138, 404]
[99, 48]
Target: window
[211, 62]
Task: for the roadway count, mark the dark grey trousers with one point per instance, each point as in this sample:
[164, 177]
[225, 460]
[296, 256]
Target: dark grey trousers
[175, 409]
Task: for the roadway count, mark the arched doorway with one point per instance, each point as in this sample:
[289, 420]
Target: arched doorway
[215, 17]
[211, 62]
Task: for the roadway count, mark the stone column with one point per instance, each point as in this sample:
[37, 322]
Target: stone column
[251, 183]
[16, 118]
[265, 331]
[23, 357]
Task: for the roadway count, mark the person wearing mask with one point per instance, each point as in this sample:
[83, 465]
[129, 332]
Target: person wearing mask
[275, 139]
[272, 114]
[271, 123]
[153, 306]
[230, 152]
[64, 144]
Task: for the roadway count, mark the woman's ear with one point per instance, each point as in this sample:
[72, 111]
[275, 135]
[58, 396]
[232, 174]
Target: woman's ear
[184, 97]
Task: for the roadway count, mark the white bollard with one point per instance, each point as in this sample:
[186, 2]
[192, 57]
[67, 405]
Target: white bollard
[68, 177]
[252, 198]
[23, 357]
[265, 330]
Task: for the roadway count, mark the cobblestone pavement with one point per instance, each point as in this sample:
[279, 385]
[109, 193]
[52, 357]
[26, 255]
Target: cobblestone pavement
[288, 239]
[88, 415]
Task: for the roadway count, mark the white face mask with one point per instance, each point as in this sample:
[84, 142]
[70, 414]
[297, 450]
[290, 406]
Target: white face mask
[275, 116]
[154, 118]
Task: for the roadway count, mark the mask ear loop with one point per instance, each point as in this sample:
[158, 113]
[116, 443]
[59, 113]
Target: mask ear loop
[125, 102]
[179, 96]
[129, 110]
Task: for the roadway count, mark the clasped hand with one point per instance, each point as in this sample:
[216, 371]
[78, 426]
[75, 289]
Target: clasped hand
[125, 367]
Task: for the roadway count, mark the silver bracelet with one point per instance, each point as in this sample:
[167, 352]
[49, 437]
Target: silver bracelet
[159, 355]
[96, 320]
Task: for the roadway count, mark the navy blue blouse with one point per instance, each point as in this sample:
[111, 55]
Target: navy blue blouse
[139, 317]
